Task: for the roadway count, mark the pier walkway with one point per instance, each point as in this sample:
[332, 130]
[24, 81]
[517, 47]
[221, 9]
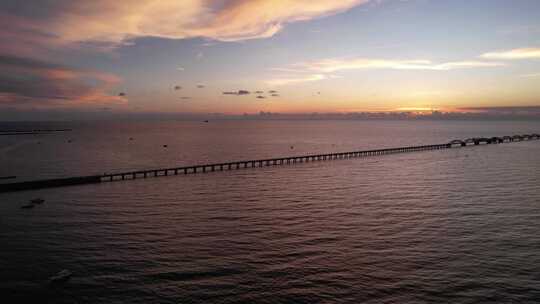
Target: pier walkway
[236, 165]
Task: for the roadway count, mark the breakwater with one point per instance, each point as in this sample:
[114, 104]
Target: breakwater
[236, 165]
[32, 132]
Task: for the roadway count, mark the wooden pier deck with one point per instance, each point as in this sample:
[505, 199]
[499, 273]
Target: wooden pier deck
[236, 165]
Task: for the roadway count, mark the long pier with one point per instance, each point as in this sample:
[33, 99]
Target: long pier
[236, 165]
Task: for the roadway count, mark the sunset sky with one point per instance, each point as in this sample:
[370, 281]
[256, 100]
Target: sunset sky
[199, 56]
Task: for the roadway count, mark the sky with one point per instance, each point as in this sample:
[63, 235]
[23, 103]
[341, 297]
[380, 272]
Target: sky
[287, 56]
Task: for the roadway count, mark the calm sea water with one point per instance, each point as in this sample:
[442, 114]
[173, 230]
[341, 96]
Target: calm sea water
[453, 226]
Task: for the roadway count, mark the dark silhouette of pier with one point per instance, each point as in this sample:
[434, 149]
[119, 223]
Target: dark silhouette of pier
[32, 132]
[236, 165]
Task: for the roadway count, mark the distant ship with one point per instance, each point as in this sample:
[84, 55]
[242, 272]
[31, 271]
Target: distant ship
[37, 201]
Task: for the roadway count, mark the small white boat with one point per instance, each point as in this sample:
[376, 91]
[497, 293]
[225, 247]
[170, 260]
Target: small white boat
[61, 277]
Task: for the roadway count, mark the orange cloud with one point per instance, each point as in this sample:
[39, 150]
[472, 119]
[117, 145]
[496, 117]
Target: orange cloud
[230, 20]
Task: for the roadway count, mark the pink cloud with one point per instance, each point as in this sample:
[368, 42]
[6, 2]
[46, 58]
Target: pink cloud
[228, 20]
[25, 82]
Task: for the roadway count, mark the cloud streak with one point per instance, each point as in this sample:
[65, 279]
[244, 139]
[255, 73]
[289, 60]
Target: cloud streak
[296, 80]
[533, 75]
[322, 69]
[515, 54]
[334, 65]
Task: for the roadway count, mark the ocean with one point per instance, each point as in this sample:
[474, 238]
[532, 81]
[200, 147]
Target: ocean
[451, 226]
